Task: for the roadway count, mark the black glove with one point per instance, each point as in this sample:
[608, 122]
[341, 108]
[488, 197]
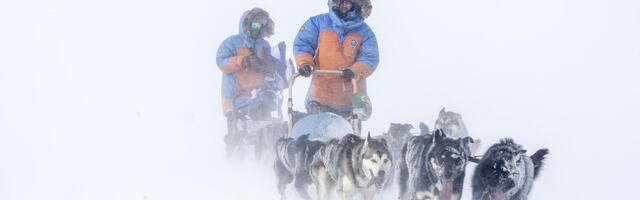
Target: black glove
[347, 75]
[250, 62]
[305, 70]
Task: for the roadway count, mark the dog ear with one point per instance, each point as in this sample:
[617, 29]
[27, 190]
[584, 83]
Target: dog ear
[466, 140]
[442, 112]
[424, 129]
[352, 139]
[366, 141]
[408, 126]
[439, 135]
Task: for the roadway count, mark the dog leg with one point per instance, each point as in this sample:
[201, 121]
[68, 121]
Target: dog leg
[321, 180]
[283, 177]
[369, 195]
[341, 194]
[402, 181]
[301, 186]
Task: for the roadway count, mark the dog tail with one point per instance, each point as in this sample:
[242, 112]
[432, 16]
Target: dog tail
[538, 160]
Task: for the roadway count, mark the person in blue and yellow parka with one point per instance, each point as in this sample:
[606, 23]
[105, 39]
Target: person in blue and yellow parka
[337, 40]
[244, 60]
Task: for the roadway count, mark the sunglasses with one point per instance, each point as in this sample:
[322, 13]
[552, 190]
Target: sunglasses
[256, 25]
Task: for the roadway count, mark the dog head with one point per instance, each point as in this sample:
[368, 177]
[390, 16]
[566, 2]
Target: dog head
[399, 130]
[451, 123]
[448, 159]
[376, 160]
[503, 166]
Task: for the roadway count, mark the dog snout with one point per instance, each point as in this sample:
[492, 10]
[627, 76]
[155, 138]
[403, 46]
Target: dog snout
[381, 173]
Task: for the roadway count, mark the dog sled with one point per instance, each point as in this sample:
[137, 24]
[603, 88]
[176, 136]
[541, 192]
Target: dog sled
[327, 124]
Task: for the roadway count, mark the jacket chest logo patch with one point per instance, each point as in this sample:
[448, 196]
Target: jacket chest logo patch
[354, 43]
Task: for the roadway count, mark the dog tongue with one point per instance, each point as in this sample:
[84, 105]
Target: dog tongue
[497, 195]
[447, 189]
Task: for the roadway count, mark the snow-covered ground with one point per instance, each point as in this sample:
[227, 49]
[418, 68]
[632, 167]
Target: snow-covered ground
[120, 99]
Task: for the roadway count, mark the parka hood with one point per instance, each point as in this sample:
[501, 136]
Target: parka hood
[257, 15]
[363, 6]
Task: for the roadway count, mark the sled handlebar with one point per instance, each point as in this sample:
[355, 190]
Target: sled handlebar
[355, 122]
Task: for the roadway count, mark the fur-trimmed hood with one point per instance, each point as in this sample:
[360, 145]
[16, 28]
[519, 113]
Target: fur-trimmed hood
[260, 15]
[363, 5]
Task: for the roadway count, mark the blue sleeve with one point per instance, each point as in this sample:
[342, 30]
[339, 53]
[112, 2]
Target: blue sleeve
[225, 51]
[368, 53]
[306, 41]
[266, 49]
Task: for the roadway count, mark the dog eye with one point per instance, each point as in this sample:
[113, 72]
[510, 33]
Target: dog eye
[443, 156]
[386, 160]
[374, 161]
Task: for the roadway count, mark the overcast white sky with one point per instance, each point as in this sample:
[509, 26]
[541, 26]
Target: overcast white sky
[120, 99]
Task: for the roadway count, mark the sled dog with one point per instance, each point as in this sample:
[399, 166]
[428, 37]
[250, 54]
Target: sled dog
[351, 167]
[433, 167]
[505, 172]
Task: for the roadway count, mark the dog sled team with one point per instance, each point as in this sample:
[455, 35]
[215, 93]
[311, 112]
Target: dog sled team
[323, 146]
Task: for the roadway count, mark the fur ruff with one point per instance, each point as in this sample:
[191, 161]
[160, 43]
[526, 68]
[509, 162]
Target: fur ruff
[364, 5]
[258, 14]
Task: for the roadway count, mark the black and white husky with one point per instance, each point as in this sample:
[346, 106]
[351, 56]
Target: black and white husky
[293, 159]
[351, 167]
[433, 167]
[506, 172]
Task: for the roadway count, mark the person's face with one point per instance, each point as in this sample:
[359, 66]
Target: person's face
[345, 6]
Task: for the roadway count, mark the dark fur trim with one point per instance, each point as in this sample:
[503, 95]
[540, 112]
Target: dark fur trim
[258, 14]
[365, 6]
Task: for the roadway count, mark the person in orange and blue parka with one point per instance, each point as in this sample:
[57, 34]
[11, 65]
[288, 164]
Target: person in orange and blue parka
[244, 60]
[337, 40]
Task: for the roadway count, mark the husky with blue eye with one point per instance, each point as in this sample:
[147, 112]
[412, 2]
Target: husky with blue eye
[351, 167]
[506, 172]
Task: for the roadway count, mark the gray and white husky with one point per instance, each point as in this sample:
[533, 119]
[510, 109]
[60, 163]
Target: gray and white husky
[452, 125]
[506, 172]
[433, 167]
[351, 167]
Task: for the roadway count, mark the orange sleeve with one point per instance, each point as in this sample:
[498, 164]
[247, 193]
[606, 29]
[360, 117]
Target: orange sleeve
[303, 59]
[234, 64]
[360, 70]
[226, 106]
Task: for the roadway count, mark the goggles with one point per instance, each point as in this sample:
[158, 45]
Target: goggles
[256, 25]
